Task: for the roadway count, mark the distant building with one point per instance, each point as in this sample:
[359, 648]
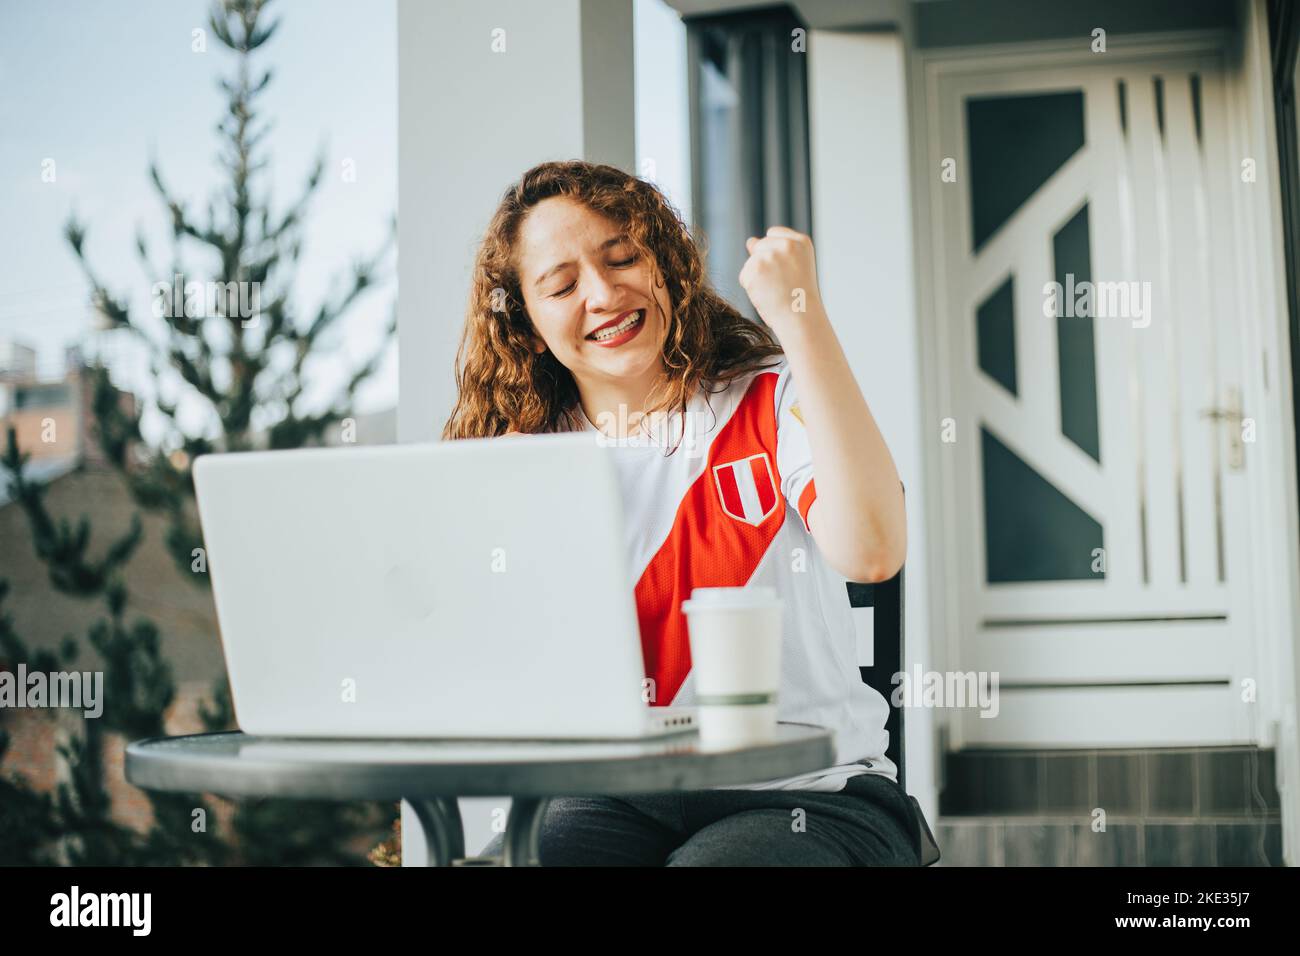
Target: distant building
[50, 418]
[16, 359]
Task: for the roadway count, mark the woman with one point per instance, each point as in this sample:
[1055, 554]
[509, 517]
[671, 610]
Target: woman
[590, 311]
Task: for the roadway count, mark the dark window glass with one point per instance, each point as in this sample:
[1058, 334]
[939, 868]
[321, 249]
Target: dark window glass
[1076, 350]
[40, 396]
[1032, 532]
[1016, 144]
[749, 136]
[996, 332]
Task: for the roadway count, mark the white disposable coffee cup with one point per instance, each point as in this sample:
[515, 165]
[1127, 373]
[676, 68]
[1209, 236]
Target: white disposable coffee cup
[735, 637]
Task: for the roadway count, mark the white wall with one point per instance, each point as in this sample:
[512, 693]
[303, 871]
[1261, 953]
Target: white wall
[863, 237]
[470, 122]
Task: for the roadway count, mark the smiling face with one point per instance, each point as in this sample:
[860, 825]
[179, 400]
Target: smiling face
[592, 297]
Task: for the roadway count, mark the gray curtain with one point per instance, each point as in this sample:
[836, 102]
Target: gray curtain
[749, 136]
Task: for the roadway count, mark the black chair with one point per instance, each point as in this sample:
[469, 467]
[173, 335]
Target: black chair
[886, 598]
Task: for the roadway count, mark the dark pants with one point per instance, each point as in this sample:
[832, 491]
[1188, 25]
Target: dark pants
[868, 823]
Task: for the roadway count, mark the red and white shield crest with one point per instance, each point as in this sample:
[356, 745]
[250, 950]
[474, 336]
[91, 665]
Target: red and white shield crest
[747, 488]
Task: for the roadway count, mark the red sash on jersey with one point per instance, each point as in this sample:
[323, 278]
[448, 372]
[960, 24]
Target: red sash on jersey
[726, 522]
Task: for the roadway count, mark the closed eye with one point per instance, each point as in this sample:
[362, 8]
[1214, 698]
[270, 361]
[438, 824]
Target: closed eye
[622, 264]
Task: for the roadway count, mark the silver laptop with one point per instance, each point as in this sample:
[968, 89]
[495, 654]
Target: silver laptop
[467, 589]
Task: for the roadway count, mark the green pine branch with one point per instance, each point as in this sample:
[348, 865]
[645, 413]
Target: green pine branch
[244, 375]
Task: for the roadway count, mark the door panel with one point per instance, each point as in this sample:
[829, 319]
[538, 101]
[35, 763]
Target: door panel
[1100, 564]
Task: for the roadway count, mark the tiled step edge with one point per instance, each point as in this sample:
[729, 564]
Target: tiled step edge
[1044, 841]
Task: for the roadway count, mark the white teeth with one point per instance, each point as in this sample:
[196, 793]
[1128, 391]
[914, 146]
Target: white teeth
[619, 329]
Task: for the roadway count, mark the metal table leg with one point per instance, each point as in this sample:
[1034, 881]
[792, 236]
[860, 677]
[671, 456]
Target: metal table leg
[523, 826]
[444, 834]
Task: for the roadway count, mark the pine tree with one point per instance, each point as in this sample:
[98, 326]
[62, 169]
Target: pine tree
[247, 369]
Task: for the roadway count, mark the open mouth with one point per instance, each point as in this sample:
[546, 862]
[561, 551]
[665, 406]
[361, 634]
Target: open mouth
[619, 333]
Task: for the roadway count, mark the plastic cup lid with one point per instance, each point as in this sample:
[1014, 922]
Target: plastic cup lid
[724, 599]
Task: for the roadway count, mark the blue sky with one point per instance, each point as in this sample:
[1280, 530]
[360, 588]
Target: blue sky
[101, 87]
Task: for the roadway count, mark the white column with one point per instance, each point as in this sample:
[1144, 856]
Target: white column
[485, 91]
[862, 229]
[470, 121]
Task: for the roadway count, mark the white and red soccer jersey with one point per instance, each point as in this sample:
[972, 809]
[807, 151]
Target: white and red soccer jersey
[729, 508]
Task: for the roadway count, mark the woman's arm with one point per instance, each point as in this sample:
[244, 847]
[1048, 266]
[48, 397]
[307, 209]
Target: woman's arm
[858, 519]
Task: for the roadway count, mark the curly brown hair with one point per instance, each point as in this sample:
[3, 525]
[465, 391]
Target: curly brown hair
[503, 385]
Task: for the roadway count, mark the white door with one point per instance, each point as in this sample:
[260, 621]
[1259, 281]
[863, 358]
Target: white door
[1094, 464]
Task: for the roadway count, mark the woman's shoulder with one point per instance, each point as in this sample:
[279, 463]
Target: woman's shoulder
[717, 401]
[740, 381]
[774, 373]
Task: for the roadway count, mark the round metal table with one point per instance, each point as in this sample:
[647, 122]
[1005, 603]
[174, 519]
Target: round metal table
[430, 774]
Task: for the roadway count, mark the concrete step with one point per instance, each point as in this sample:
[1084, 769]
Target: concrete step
[1035, 840]
[1190, 782]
